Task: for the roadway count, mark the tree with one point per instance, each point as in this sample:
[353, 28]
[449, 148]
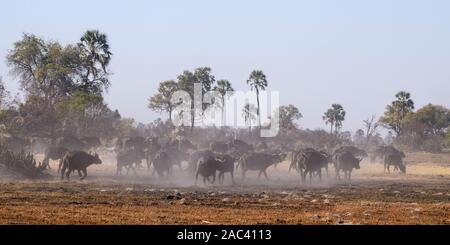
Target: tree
[334, 116]
[162, 100]
[95, 56]
[360, 137]
[446, 140]
[435, 119]
[186, 82]
[4, 95]
[223, 87]
[45, 69]
[53, 71]
[80, 114]
[258, 82]
[397, 111]
[370, 126]
[52, 75]
[248, 112]
[288, 115]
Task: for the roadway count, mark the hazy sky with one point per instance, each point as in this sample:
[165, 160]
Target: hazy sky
[358, 53]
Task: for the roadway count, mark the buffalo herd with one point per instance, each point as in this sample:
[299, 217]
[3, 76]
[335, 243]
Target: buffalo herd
[221, 158]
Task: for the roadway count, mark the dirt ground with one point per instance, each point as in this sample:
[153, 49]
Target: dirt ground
[422, 196]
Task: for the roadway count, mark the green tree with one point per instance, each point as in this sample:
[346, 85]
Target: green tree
[258, 82]
[44, 69]
[397, 111]
[162, 100]
[435, 119]
[223, 87]
[95, 56]
[288, 115]
[446, 140]
[81, 112]
[335, 116]
[186, 82]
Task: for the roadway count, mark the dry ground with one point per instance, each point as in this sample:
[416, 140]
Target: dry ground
[373, 197]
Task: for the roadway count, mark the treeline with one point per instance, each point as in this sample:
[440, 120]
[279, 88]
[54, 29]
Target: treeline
[64, 86]
[427, 128]
[63, 89]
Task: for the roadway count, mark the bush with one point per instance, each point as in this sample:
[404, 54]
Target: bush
[446, 140]
[22, 163]
[432, 144]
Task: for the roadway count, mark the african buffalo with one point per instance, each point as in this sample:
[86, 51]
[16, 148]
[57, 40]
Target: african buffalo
[54, 153]
[258, 162]
[394, 159]
[346, 162]
[226, 165]
[207, 168]
[78, 160]
[129, 160]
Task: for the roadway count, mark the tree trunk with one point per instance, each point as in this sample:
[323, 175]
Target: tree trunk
[192, 119]
[258, 111]
[170, 113]
[223, 112]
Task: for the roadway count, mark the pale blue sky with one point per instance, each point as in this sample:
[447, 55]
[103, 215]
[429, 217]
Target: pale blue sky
[357, 53]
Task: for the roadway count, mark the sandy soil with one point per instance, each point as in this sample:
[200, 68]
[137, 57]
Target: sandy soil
[373, 197]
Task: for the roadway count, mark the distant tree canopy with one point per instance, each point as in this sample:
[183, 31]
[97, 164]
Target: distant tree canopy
[63, 85]
[288, 115]
[397, 111]
[258, 82]
[446, 140]
[223, 87]
[424, 129]
[161, 101]
[52, 71]
[432, 120]
[335, 116]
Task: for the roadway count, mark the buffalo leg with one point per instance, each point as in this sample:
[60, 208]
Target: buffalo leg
[68, 174]
[221, 177]
[60, 165]
[63, 170]
[265, 175]
[84, 174]
[196, 178]
[304, 176]
[232, 177]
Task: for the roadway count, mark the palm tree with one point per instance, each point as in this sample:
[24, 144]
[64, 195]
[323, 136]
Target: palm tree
[223, 86]
[334, 116]
[95, 51]
[248, 112]
[257, 81]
